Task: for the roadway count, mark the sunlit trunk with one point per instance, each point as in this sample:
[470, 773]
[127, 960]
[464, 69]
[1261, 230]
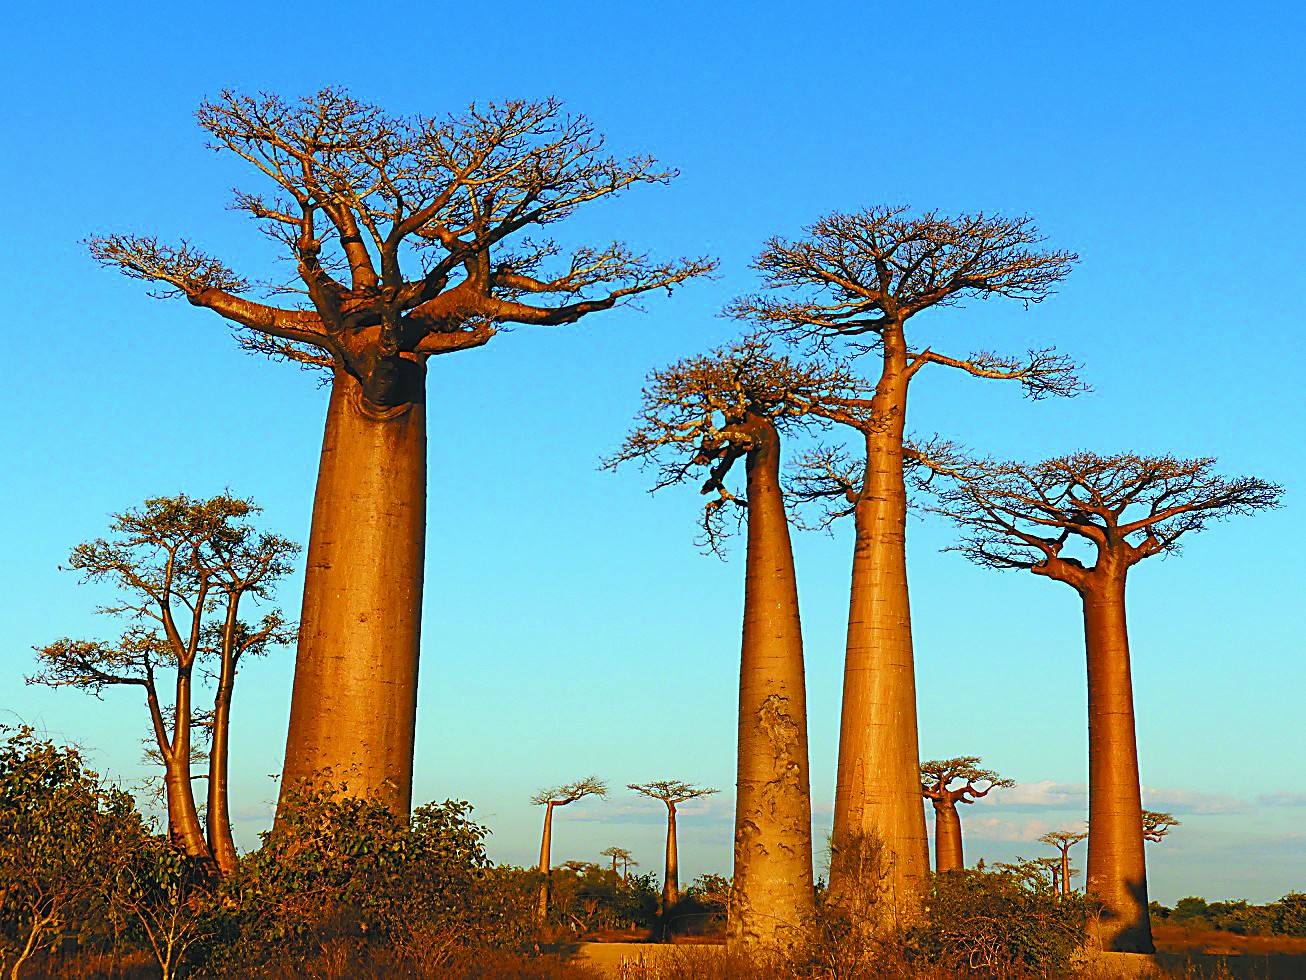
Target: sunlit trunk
[546, 843]
[671, 881]
[183, 817]
[947, 837]
[354, 705]
[1117, 872]
[880, 853]
[1065, 873]
[221, 843]
[772, 897]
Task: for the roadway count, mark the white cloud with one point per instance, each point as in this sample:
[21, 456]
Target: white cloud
[1192, 801]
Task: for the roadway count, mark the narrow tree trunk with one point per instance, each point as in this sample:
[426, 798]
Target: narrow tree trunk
[671, 880]
[879, 849]
[183, 816]
[222, 844]
[546, 843]
[947, 837]
[1117, 870]
[354, 706]
[1065, 873]
[772, 896]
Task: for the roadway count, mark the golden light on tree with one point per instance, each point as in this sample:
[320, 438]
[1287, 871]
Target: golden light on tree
[1157, 824]
[700, 417]
[551, 798]
[619, 855]
[672, 793]
[945, 783]
[410, 237]
[1063, 841]
[1117, 510]
[861, 278]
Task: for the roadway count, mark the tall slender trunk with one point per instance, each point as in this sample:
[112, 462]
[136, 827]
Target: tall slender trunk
[222, 844]
[546, 843]
[1117, 869]
[671, 881]
[879, 850]
[947, 837]
[183, 816]
[354, 706]
[772, 895]
[1065, 872]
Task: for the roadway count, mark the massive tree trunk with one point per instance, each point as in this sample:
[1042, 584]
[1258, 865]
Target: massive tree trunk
[354, 705]
[1117, 870]
[546, 843]
[773, 896]
[671, 880]
[947, 837]
[879, 850]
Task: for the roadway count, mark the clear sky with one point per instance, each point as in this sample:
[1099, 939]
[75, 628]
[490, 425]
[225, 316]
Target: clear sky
[571, 626]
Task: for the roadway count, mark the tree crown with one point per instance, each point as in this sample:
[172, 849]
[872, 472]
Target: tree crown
[671, 791]
[1156, 824]
[571, 792]
[1063, 839]
[938, 775]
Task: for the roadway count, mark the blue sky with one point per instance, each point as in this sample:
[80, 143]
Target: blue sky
[571, 626]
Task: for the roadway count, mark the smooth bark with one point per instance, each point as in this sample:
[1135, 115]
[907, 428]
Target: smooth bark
[671, 880]
[879, 849]
[222, 844]
[773, 896]
[354, 705]
[1117, 869]
[947, 837]
[184, 826]
[546, 843]
[1065, 872]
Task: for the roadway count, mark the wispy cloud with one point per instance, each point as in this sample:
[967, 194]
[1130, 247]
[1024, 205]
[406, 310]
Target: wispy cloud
[1281, 799]
[1044, 793]
[1193, 801]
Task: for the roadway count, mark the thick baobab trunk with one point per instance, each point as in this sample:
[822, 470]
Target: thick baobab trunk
[221, 843]
[671, 880]
[947, 838]
[546, 843]
[879, 850]
[354, 705]
[184, 827]
[773, 896]
[1065, 873]
[1117, 870]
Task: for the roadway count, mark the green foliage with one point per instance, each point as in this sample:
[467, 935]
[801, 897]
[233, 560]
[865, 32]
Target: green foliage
[1285, 917]
[1000, 921]
[588, 898]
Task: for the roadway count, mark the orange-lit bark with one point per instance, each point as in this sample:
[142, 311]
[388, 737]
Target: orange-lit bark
[546, 844]
[773, 895]
[354, 704]
[1117, 870]
[222, 845]
[1065, 872]
[879, 845]
[184, 826]
[947, 837]
[671, 880]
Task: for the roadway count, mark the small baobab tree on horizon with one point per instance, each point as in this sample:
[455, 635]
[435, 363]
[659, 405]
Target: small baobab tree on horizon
[672, 793]
[619, 855]
[861, 278]
[410, 237]
[1063, 841]
[1116, 511]
[183, 571]
[556, 796]
[700, 417]
[945, 783]
[1157, 824]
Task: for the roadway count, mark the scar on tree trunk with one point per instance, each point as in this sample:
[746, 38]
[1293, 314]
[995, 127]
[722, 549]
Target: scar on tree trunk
[773, 899]
[354, 705]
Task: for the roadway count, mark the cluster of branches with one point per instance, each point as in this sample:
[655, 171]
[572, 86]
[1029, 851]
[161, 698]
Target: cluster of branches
[972, 782]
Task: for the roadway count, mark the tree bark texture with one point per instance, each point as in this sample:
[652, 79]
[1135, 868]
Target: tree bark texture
[880, 853]
[222, 845]
[947, 837]
[671, 880]
[354, 705]
[773, 897]
[1117, 870]
[183, 817]
[546, 843]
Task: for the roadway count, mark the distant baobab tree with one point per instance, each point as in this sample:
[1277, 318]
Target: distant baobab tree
[557, 796]
[622, 856]
[1156, 824]
[945, 783]
[861, 277]
[673, 793]
[1063, 841]
[1120, 510]
[409, 239]
[699, 418]
[181, 568]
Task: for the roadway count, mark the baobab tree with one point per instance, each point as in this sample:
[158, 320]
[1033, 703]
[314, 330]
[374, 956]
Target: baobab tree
[673, 793]
[1117, 510]
[620, 855]
[1063, 841]
[945, 783]
[1156, 824]
[699, 418]
[862, 277]
[550, 798]
[410, 238]
[181, 568]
